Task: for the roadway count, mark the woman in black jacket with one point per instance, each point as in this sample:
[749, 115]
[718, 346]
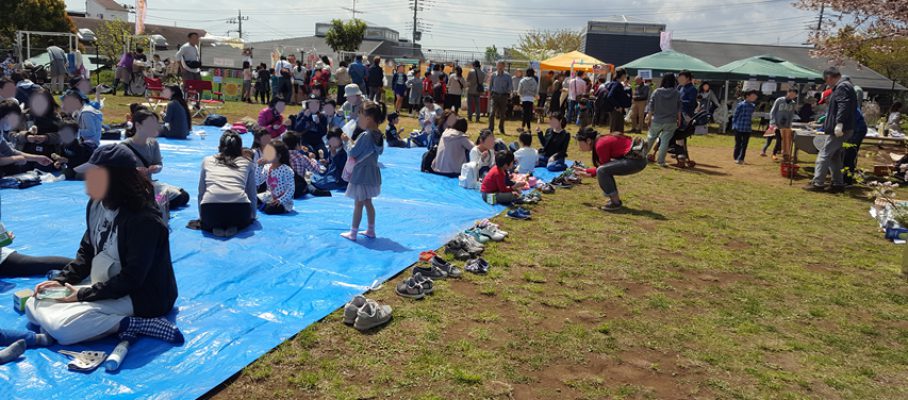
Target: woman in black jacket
[122, 279]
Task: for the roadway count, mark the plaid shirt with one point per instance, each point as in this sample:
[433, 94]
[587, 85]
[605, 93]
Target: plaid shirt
[742, 119]
[301, 163]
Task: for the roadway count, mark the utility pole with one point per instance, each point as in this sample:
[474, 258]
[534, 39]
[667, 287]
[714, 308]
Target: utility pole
[239, 21]
[415, 24]
[352, 10]
[820, 20]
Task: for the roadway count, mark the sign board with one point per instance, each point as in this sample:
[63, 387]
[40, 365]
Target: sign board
[223, 62]
[646, 74]
[768, 87]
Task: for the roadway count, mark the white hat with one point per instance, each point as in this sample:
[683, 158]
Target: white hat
[352, 90]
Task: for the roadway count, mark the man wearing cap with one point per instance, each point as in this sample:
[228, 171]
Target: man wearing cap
[500, 88]
[838, 126]
[312, 125]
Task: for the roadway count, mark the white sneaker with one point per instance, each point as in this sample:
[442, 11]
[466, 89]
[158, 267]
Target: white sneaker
[492, 233]
[371, 315]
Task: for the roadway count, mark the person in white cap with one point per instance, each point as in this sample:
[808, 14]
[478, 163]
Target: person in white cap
[351, 107]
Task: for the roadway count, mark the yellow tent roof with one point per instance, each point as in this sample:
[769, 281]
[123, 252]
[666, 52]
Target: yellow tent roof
[562, 62]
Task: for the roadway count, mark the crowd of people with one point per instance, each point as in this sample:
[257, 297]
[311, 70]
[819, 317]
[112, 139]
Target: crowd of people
[121, 285]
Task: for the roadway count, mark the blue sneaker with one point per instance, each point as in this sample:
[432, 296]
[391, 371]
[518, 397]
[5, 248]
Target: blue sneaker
[519, 213]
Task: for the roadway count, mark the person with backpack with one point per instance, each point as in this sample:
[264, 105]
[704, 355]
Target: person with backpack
[475, 86]
[617, 99]
[615, 154]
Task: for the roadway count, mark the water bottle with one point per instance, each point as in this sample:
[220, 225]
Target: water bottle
[5, 238]
[116, 356]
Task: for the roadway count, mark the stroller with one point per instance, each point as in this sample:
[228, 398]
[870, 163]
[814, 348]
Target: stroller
[678, 146]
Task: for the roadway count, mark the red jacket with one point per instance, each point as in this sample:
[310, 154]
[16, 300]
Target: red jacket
[268, 118]
[494, 182]
[610, 147]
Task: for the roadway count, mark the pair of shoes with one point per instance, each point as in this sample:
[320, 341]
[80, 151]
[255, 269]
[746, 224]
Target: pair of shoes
[477, 266]
[837, 189]
[463, 247]
[365, 314]
[561, 183]
[810, 187]
[492, 232]
[415, 287]
[449, 269]
[486, 224]
[224, 233]
[520, 213]
[477, 234]
[546, 188]
[612, 206]
[527, 199]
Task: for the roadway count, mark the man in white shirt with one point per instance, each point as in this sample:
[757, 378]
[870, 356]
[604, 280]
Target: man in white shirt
[576, 88]
[284, 70]
[190, 58]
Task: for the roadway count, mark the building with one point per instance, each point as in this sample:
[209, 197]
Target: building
[106, 9]
[378, 41]
[175, 36]
[619, 40]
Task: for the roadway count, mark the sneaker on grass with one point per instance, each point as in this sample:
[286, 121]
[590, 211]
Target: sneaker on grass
[428, 286]
[372, 315]
[410, 289]
[448, 268]
[431, 272]
[351, 308]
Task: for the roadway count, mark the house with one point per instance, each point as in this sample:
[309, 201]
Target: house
[174, 36]
[106, 9]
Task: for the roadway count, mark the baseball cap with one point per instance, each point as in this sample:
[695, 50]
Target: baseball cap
[114, 155]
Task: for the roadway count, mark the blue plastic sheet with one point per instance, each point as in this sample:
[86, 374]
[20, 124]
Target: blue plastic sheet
[239, 297]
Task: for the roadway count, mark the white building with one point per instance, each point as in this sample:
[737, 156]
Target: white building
[106, 9]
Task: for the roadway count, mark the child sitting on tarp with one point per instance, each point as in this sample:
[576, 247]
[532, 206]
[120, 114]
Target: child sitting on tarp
[334, 161]
[11, 117]
[392, 135]
[526, 156]
[312, 125]
[496, 182]
[72, 152]
[427, 118]
[555, 143]
[277, 175]
[335, 120]
[141, 141]
[302, 163]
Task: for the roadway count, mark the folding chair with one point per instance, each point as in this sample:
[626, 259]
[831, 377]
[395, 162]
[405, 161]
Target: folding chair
[195, 92]
[153, 89]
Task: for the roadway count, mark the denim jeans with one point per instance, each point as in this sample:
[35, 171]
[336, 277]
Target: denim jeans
[741, 141]
[606, 173]
[10, 336]
[664, 132]
[831, 160]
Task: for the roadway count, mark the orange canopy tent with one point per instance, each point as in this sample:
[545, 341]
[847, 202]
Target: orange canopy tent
[576, 60]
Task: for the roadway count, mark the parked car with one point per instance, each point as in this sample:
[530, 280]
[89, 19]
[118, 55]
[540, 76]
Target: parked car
[86, 35]
[160, 42]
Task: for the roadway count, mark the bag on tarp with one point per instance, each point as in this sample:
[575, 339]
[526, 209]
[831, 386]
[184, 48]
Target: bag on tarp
[215, 120]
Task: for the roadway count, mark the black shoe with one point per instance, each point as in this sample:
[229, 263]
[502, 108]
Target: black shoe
[810, 187]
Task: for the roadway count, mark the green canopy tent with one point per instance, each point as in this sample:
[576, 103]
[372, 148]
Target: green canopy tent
[673, 61]
[767, 67]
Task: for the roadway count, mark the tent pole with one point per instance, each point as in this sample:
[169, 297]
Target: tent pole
[725, 105]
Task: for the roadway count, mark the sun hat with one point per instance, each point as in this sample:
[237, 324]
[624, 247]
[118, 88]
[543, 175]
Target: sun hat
[352, 90]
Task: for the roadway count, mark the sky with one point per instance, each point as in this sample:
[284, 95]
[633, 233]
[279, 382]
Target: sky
[471, 25]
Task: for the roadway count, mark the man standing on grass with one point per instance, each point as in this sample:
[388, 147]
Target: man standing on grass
[838, 127]
[357, 73]
[190, 59]
[500, 87]
[58, 66]
[638, 108]
[475, 82]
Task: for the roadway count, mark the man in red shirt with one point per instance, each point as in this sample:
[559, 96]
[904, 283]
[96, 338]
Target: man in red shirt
[612, 156]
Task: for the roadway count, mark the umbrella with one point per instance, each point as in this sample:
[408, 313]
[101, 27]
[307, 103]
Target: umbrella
[575, 59]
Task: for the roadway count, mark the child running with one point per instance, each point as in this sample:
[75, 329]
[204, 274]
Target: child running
[365, 178]
[277, 175]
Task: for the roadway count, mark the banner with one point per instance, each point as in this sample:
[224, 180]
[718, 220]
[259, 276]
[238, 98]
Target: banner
[140, 16]
[665, 40]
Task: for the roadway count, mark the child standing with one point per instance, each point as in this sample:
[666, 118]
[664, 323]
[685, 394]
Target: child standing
[247, 82]
[391, 133]
[415, 86]
[741, 124]
[496, 180]
[526, 156]
[365, 179]
[277, 175]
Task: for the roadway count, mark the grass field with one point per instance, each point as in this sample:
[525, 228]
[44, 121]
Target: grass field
[718, 282]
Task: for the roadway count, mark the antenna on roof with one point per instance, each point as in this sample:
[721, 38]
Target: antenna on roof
[353, 9]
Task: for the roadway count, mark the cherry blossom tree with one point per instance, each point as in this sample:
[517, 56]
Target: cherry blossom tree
[873, 22]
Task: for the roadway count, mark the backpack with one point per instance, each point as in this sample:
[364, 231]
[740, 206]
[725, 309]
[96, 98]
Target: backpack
[215, 120]
[602, 102]
[428, 158]
[637, 150]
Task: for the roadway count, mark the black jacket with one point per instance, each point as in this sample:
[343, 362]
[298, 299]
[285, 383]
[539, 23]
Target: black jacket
[554, 143]
[376, 76]
[843, 106]
[146, 270]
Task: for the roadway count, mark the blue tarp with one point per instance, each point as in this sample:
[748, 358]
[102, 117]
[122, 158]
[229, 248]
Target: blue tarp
[241, 297]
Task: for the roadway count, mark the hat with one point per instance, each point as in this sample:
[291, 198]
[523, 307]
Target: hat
[73, 92]
[825, 96]
[352, 90]
[314, 98]
[114, 155]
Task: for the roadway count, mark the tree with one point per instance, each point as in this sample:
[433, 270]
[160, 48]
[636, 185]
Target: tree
[111, 38]
[345, 36]
[887, 56]
[540, 45]
[874, 22]
[491, 54]
[33, 15]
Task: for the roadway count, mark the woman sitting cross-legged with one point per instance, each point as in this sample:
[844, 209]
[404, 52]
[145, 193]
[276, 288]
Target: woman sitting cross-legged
[612, 156]
[177, 117]
[227, 189]
[121, 281]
